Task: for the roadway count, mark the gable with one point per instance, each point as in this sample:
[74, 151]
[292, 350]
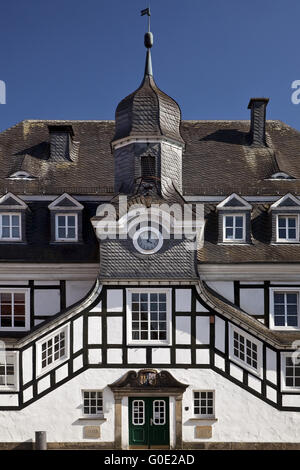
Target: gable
[287, 201]
[9, 201]
[65, 201]
[234, 201]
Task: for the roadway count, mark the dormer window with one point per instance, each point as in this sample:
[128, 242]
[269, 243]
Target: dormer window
[66, 219]
[12, 219]
[10, 227]
[234, 216]
[234, 227]
[285, 219]
[148, 168]
[66, 227]
[287, 228]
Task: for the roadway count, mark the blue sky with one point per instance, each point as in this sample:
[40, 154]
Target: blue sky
[71, 59]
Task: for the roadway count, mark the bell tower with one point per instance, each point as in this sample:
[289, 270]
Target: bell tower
[147, 145]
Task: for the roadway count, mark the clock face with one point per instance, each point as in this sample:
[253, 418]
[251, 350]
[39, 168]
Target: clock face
[148, 240]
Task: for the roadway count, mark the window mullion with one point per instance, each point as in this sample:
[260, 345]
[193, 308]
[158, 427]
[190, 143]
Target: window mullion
[149, 319]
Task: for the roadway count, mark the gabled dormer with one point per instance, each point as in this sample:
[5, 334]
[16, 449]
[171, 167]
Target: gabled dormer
[234, 217]
[66, 219]
[12, 219]
[285, 215]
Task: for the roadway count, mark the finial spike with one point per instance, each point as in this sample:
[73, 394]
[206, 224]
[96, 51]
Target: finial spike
[148, 67]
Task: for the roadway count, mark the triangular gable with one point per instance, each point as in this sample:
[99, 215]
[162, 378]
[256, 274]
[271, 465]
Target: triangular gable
[286, 202]
[10, 201]
[65, 201]
[234, 202]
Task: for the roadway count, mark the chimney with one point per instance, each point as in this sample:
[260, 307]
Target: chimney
[60, 142]
[258, 121]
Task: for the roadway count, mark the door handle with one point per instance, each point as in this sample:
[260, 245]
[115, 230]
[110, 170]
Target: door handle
[151, 422]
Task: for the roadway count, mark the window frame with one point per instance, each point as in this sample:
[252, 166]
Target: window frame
[93, 415]
[43, 370]
[11, 239]
[284, 387]
[234, 215]
[25, 291]
[286, 240]
[200, 415]
[283, 290]
[66, 214]
[14, 387]
[237, 360]
[139, 342]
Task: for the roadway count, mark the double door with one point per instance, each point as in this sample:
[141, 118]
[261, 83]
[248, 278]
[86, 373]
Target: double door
[149, 421]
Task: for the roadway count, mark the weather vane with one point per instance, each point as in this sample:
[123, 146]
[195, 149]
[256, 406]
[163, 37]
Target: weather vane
[146, 11]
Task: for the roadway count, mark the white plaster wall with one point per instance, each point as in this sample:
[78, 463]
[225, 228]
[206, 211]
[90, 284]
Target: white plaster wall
[114, 330]
[252, 301]
[183, 329]
[183, 300]
[226, 289]
[76, 290]
[241, 417]
[46, 302]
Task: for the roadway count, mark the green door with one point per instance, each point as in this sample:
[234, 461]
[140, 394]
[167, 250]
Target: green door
[149, 421]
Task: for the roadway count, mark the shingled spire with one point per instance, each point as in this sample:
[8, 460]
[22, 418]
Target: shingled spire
[146, 122]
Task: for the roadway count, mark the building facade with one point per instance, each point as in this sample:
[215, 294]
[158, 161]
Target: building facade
[150, 279]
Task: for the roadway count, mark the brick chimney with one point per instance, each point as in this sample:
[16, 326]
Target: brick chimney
[60, 142]
[258, 121]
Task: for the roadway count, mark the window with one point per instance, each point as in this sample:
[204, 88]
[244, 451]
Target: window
[287, 228]
[284, 308]
[290, 372]
[148, 168]
[66, 227]
[148, 316]
[234, 228]
[204, 405]
[138, 412]
[159, 412]
[10, 227]
[14, 309]
[52, 350]
[92, 403]
[245, 350]
[8, 375]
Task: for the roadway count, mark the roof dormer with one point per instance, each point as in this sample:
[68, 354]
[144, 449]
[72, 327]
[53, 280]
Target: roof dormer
[285, 215]
[234, 217]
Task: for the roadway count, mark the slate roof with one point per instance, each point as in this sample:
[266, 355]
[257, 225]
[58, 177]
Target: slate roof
[217, 160]
[259, 250]
[38, 247]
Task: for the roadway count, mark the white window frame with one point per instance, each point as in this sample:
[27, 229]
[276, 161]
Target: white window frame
[27, 309]
[43, 370]
[139, 342]
[287, 240]
[11, 238]
[283, 373]
[153, 412]
[132, 412]
[234, 240]
[272, 315]
[237, 360]
[93, 415]
[66, 214]
[15, 356]
[205, 416]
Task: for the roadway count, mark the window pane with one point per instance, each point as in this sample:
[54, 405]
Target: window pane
[5, 232]
[229, 221]
[239, 221]
[229, 233]
[281, 222]
[61, 220]
[15, 220]
[292, 222]
[71, 220]
[239, 233]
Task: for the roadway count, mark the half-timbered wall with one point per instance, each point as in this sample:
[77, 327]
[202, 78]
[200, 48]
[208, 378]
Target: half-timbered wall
[200, 339]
